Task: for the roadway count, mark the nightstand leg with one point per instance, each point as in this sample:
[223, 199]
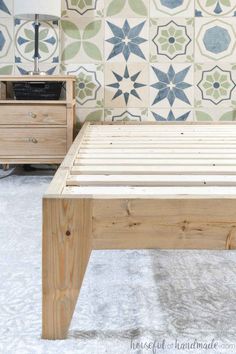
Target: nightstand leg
[5, 167]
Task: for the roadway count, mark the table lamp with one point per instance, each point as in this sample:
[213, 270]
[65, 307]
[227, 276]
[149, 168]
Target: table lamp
[37, 10]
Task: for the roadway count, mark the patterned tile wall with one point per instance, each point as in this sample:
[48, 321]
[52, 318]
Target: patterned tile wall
[135, 59]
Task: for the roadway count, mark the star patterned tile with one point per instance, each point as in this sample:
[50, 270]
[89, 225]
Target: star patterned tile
[171, 85]
[126, 85]
[158, 60]
[172, 115]
[6, 8]
[126, 40]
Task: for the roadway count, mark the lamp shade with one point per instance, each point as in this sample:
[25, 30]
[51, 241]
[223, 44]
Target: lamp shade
[47, 10]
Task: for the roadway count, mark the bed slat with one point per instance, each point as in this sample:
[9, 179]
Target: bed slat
[144, 170]
[158, 155]
[197, 150]
[154, 162]
[150, 192]
[164, 159]
[148, 180]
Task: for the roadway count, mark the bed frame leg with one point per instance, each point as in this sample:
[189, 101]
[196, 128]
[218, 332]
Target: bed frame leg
[66, 252]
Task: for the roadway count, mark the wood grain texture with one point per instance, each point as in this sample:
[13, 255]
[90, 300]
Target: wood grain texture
[58, 183]
[122, 187]
[32, 160]
[187, 224]
[66, 252]
[33, 115]
[31, 129]
[12, 78]
[32, 142]
[153, 169]
[150, 180]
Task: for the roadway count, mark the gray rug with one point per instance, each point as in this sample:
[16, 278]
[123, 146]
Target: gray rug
[131, 301]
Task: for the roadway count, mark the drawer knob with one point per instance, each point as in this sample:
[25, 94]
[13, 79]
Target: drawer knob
[33, 140]
[32, 115]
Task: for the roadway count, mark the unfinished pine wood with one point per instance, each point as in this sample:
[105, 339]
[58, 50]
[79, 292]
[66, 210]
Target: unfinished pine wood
[140, 223]
[180, 138]
[75, 148]
[34, 129]
[150, 192]
[129, 161]
[154, 134]
[150, 180]
[32, 142]
[37, 102]
[56, 188]
[66, 252]
[5, 167]
[29, 160]
[163, 156]
[161, 169]
[10, 78]
[159, 144]
[33, 115]
[163, 151]
[134, 186]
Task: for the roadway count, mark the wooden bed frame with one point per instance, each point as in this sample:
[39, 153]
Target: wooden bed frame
[134, 186]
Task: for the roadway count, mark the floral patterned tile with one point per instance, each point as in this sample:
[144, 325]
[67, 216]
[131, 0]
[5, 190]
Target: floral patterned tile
[215, 85]
[89, 115]
[126, 40]
[126, 85]
[129, 8]
[82, 8]
[215, 39]
[129, 114]
[215, 8]
[6, 40]
[82, 41]
[165, 8]
[6, 8]
[6, 69]
[134, 58]
[209, 115]
[171, 40]
[48, 42]
[89, 84]
[24, 68]
[171, 115]
[171, 85]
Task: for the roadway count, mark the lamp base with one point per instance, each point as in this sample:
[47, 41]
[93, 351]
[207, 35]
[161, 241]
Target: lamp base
[36, 73]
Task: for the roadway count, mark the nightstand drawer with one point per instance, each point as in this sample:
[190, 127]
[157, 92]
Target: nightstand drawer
[33, 141]
[32, 114]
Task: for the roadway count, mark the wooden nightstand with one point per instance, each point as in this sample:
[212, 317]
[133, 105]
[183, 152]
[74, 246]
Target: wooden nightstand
[36, 131]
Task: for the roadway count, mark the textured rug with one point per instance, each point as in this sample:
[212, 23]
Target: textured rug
[131, 301]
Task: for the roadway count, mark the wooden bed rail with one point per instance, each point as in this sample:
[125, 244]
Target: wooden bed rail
[134, 186]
